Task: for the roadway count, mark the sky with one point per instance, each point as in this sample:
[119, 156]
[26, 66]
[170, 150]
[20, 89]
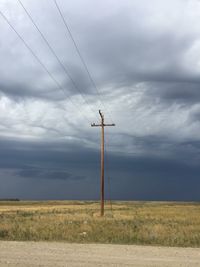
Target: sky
[144, 61]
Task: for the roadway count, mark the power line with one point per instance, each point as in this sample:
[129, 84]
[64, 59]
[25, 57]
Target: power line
[80, 56]
[39, 61]
[54, 53]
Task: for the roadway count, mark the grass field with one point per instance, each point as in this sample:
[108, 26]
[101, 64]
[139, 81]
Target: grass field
[158, 223]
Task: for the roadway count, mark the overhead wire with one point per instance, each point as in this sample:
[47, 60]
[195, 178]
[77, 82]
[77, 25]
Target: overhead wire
[40, 62]
[81, 57]
[55, 54]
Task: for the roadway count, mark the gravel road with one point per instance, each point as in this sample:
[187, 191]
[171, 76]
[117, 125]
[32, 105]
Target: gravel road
[35, 254]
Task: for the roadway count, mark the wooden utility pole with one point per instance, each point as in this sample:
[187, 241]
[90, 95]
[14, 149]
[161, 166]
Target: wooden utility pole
[102, 125]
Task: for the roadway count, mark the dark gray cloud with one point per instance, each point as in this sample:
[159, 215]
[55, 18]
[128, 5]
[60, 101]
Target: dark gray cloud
[183, 92]
[46, 174]
[132, 176]
[144, 59]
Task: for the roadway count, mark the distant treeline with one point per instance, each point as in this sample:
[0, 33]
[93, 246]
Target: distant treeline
[9, 199]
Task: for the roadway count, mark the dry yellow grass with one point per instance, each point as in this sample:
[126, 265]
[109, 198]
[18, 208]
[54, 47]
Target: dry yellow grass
[159, 223]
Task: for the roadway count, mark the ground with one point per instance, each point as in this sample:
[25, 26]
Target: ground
[145, 223]
[52, 254]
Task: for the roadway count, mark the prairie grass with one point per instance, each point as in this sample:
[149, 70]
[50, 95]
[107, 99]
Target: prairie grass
[157, 223]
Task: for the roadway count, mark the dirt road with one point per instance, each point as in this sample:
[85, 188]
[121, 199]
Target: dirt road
[70, 255]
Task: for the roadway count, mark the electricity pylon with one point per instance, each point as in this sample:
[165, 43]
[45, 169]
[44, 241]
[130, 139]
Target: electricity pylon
[102, 125]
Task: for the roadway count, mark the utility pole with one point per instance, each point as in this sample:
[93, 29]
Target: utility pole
[102, 125]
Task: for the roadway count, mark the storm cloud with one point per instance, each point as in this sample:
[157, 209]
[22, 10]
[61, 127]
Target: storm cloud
[144, 59]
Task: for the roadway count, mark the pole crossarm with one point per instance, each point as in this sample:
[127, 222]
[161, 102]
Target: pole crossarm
[102, 125]
[111, 124]
[99, 125]
[95, 125]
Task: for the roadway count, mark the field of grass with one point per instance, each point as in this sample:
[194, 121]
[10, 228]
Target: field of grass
[157, 223]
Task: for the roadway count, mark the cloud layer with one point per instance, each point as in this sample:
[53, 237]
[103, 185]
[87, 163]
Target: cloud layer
[144, 59]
